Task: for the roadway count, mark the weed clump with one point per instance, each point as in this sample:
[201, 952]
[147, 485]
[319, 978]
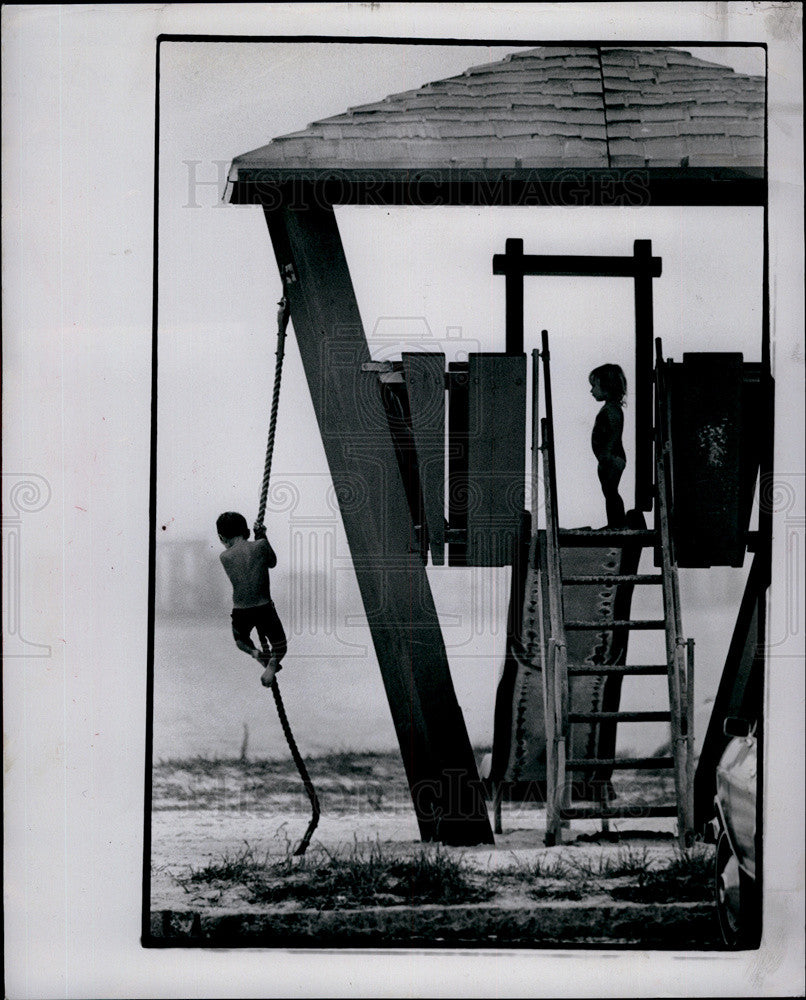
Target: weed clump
[626, 862]
[687, 879]
[232, 867]
[374, 875]
[364, 876]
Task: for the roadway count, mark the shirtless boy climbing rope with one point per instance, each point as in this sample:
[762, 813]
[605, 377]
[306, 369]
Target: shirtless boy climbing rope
[247, 565]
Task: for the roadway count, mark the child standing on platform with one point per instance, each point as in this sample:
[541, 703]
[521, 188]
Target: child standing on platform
[609, 386]
[247, 565]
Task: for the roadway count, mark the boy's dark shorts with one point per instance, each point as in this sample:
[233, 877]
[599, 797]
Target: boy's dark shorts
[265, 619]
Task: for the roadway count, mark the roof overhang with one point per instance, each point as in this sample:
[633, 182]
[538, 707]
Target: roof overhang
[554, 125]
[492, 186]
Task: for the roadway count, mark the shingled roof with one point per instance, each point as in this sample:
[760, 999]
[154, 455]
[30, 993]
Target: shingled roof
[549, 107]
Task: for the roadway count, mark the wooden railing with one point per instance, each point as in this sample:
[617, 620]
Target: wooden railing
[679, 650]
[556, 672]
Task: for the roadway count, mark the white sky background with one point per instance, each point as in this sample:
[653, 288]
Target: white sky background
[78, 107]
[418, 274]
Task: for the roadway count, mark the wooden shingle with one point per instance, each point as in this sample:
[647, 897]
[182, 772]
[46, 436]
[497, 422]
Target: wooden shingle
[549, 107]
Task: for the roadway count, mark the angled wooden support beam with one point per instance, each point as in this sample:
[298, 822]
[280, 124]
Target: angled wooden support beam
[439, 761]
[740, 690]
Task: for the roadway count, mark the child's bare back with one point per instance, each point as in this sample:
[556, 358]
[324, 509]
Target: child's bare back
[246, 564]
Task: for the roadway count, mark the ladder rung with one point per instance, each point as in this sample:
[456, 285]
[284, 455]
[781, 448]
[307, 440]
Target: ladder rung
[620, 716]
[632, 623]
[636, 811]
[607, 538]
[620, 763]
[591, 669]
[575, 581]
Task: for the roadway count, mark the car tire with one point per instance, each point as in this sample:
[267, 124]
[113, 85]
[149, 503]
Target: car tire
[737, 902]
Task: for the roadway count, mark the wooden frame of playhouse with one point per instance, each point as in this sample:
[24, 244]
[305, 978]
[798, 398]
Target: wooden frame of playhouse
[298, 196]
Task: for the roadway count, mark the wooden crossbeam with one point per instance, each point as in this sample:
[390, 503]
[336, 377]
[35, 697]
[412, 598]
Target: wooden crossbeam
[642, 267]
[575, 265]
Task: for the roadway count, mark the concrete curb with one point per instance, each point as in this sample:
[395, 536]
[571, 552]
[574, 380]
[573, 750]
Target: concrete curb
[564, 923]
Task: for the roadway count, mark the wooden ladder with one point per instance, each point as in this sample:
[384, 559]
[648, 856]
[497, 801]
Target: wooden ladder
[679, 663]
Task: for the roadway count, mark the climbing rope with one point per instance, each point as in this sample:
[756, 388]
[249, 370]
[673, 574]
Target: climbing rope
[283, 314]
[302, 847]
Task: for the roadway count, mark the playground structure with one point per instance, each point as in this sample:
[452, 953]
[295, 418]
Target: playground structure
[383, 429]
[579, 584]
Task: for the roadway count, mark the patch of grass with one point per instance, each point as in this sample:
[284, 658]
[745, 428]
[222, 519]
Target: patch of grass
[628, 861]
[547, 866]
[364, 876]
[521, 872]
[377, 875]
[573, 892]
[350, 762]
[648, 878]
[436, 878]
[696, 862]
[689, 878]
[329, 768]
[579, 868]
[236, 867]
[548, 876]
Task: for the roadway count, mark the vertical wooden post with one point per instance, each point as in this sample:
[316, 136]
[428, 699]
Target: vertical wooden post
[644, 339]
[440, 765]
[514, 298]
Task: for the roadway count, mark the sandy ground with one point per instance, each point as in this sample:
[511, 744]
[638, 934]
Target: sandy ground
[190, 839]
[206, 811]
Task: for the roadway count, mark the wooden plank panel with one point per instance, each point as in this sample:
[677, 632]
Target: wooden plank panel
[496, 456]
[457, 460]
[425, 380]
[706, 402]
[436, 751]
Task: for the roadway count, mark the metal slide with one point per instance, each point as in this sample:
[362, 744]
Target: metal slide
[519, 742]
